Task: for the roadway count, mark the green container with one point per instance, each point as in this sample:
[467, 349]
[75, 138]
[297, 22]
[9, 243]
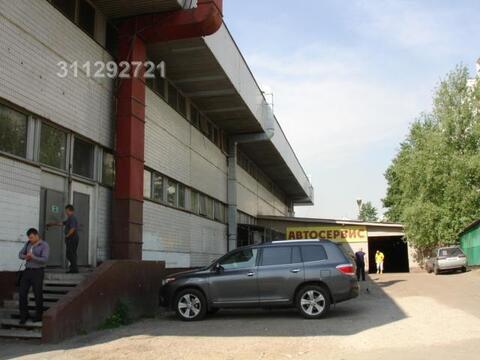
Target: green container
[470, 243]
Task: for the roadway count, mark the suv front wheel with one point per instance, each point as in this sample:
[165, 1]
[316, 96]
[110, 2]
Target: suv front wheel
[313, 302]
[190, 305]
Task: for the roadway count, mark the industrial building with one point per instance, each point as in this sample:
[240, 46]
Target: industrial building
[176, 168]
[353, 235]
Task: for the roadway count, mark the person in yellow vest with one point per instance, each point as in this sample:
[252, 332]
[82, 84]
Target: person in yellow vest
[379, 258]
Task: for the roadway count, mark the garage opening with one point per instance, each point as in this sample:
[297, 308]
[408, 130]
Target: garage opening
[395, 250]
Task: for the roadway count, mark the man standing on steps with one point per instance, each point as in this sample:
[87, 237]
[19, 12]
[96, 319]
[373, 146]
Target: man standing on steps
[35, 253]
[71, 237]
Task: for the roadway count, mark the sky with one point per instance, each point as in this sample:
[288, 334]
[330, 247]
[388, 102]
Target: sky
[348, 78]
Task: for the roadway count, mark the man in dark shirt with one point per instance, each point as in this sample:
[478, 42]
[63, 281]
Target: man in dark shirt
[360, 262]
[71, 237]
[35, 253]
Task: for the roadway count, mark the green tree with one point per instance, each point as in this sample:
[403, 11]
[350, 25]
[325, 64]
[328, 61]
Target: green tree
[434, 180]
[368, 212]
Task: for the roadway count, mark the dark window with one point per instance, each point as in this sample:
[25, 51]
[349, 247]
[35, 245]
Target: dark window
[13, 131]
[86, 17]
[216, 137]
[52, 146]
[157, 187]
[219, 211]
[313, 253]
[276, 256]
[194, 116]
[111, 41]
[172, 193]
[194, 201]
[206, 206]
[67, 7]
[204, 128]
[182, 105]
[181, 196]
[172, 96]
[159, 84]
[108, 169]
[83, 158]
[240, 259]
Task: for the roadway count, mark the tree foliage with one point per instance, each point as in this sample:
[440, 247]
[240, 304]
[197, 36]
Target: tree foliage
[368, 212]
[434, 180]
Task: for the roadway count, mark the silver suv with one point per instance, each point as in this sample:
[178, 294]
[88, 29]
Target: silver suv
[307, 274]
[449, 258]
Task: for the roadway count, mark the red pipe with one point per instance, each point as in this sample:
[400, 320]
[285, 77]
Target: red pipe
[134, 34]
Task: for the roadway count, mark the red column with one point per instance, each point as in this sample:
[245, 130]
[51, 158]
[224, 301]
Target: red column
[130, 143]
[135, 32]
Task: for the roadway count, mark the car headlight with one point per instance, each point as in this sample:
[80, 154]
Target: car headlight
[167, 280]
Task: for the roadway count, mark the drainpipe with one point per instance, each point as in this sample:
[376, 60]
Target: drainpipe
[267, 135]
[134, 35]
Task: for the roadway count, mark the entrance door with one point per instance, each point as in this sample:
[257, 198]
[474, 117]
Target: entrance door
[81, 203]
[51, 210]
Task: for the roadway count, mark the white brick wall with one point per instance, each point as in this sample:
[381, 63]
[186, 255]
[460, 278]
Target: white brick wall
[180, 238]
[34, 37]
[19, 208]
[254, 199]
[176, 149]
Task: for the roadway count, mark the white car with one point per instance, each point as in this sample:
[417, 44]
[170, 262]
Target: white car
[449, 258]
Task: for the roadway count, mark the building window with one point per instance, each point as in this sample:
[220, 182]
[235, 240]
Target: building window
[172, 96]
[157, 185]
[147, 184]
[83, 158]
[13, 131]
[172, 193]
[86, 17]
[219, 211]
[181, 196]
[182, 105]
[209, 207]
[53, 146]
[159, 84]
[108, 169]
[194, 116]
[194, 202]
[67, 7]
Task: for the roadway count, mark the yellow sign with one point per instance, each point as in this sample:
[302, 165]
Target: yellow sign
[337, 233]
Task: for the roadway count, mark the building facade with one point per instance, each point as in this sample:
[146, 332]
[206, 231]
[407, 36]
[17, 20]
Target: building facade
[213, 160]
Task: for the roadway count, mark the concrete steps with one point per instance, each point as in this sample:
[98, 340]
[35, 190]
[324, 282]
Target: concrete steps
[20, 334]
[55, 286]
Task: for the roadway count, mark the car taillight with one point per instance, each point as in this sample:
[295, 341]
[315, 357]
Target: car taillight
[347, 269]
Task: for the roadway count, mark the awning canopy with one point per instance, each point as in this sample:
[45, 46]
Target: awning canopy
[212, 72]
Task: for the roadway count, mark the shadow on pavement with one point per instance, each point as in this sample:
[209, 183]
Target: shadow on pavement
[373, 308]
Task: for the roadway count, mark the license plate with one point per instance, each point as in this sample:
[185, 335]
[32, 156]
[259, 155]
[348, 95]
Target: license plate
[452, 259]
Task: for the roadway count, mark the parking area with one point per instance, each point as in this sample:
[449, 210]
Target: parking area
[397, 316]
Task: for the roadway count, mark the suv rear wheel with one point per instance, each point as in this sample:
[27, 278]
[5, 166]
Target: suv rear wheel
[190, 305]
[313, 302]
